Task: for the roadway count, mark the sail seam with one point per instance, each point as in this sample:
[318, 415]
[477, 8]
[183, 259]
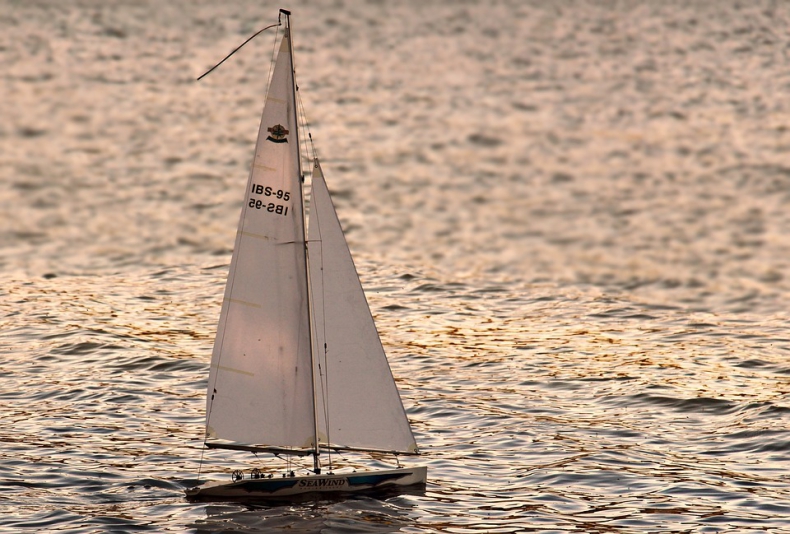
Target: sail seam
[264, 167]
[243, 303]
[233, 370]
[256, 236]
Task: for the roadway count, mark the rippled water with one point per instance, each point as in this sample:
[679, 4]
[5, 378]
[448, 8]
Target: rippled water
[571, 219]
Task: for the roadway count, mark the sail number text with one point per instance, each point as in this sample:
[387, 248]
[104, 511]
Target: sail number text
[271, 207]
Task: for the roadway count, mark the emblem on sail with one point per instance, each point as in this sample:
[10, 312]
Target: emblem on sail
[277, 134]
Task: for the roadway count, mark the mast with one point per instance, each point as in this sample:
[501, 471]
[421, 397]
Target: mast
[316, 450]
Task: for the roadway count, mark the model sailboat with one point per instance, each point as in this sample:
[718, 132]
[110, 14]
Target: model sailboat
[298, 367]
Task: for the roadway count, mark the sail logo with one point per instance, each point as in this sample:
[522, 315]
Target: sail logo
[320, 483]
[277, 134]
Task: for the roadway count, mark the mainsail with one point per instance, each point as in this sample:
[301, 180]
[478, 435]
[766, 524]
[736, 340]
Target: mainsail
[357, 402]
[260, 388]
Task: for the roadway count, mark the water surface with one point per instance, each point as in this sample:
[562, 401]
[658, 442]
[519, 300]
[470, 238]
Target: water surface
[571, 221]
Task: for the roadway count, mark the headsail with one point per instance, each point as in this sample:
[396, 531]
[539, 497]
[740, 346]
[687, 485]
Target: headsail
[357, 402]
[260, 383]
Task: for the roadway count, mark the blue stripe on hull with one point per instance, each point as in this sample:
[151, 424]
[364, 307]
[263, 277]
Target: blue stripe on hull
[373, 480]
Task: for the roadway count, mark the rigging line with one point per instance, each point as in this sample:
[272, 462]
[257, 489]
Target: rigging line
[254, 35]
[309, 147]
[294, 461]
[326, 354]
[324, 376]
[326, 360]
[200, 465]
[273, 56]
[300, 107]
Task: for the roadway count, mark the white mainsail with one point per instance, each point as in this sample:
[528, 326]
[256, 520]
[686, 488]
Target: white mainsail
[357, 402]
[260, 388]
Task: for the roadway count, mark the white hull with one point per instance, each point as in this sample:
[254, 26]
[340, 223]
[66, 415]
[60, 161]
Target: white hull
[284, 488]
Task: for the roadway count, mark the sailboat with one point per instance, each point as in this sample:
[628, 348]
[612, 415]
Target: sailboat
[298, 368]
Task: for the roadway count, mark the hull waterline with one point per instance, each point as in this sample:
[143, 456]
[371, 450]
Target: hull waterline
[361, 482]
